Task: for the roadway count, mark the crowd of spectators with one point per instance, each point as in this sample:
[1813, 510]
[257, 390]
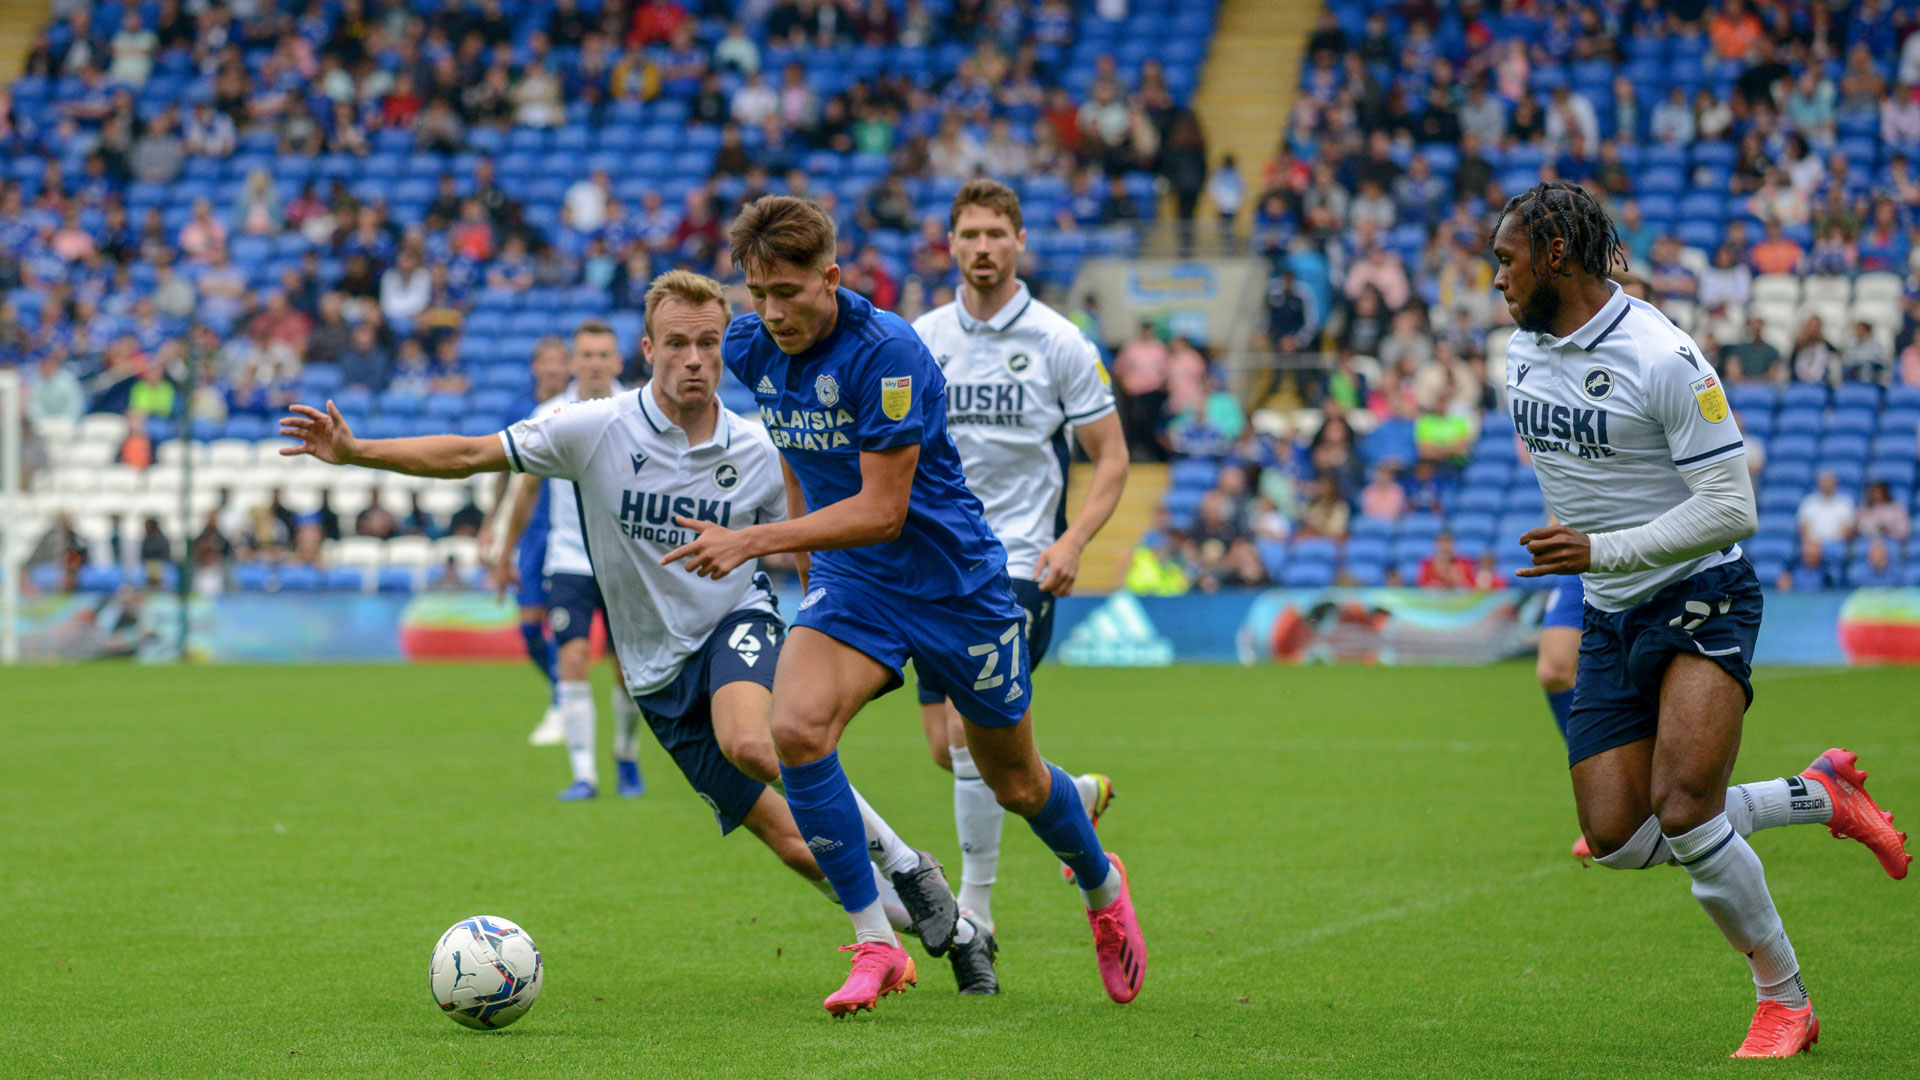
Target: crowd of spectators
[1416, 122]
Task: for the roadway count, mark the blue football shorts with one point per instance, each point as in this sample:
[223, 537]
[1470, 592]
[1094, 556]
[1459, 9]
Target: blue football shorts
[1624, 654]
[529, 558]
[975, 647]
[1566, 606]
[745, 647]
[1038, 604]
[572, 600]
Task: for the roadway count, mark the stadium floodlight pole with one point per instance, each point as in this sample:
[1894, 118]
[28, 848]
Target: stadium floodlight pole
[10, 514]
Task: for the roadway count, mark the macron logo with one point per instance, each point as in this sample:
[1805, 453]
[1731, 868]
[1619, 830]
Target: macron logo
[638, 460]
[820, 845]
[766, 386]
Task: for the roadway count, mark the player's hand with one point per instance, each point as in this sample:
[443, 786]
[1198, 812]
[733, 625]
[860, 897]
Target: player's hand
[1058, 568]
[715, 553]
[1556, 549]
[325, 435]
[505, 575]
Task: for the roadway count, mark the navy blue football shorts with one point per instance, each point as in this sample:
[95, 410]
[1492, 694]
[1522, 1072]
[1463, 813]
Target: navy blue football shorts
[744, 648]
[1038, 604]
[1624, 654]
[974, 646]
[571, 601]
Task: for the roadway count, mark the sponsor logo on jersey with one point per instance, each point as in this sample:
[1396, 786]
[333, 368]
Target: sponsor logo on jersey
[648, 515]
[638, 460]
[766, 386]
[558, 619]
[807, 429]
[1019, 362]
[1547, 428]
[1100, 369]
[942, 359]
[827, 389]
[1598, 384]
[1711, 400]
[726, 476]
[995, 404]
[896, 396]
[1522, 377]
[745, 643]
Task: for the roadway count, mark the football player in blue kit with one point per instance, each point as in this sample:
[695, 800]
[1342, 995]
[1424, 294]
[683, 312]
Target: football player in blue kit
[899, 565]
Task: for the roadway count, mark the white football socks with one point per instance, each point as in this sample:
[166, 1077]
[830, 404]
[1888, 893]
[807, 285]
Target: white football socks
[897, 915]
[1107, 893]
[1089, 791]
[1731, 885]
[885, 845]
[626, 726]
[978, 819]
[870, 924]
[1768, 804]
[576, 709]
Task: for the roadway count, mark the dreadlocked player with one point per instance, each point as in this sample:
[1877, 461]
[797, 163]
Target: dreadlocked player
[1641, 463]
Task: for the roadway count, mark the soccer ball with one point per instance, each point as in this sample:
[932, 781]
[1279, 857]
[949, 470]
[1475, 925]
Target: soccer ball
[485, 972]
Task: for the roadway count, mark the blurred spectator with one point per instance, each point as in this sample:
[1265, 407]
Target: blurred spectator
[1140, 370]
[1219, 551]
[159, 154]
[1446, 568]
[53, 391]
[1866, 358]
[1882, 517]
[467, 520]
[1154, 566]
[376, 520]
[203, 233]
[1813, 359]
[1727, 281]
[364, 362]
[1383, 499]
[1672, 121]
[406, 289]
[1811, 571]
[1826, 515]
[1777, 254]
[1876, 569]
[1753, 359]
[256, 211]
[1382, 271]
[1326, 513]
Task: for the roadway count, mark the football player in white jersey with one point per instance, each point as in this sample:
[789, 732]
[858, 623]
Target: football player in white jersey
[572, 596]
[1641, 464]
[1020, 376]
[698, 653]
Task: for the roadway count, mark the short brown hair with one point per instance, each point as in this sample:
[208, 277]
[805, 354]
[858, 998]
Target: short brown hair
[783, 229]
[695, 289]
[593, 326]
[990, 194]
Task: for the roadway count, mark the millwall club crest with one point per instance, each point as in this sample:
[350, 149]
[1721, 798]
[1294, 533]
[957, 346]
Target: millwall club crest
[1019, 362]
[726, 476]
[1598, 383]
[827, 389]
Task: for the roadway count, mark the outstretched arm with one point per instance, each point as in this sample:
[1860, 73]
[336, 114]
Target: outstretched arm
[325, 435]
[873, 515]
[1059, 565]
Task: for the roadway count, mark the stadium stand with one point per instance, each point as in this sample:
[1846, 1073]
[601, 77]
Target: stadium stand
[205, 216]
[1759, 162]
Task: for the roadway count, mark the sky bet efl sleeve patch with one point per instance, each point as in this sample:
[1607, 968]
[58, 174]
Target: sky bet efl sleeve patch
[896, 396]
[1711, 400]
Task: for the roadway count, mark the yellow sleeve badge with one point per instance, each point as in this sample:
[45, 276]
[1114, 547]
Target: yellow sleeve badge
[1711, 400]
[896, 396]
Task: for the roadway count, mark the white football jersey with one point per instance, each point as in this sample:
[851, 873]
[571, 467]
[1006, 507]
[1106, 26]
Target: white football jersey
[566, 554]
[1016, 384]
[1613, 414]
[631, 474]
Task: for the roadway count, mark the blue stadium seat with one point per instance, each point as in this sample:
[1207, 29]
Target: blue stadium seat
[252, 577]
[1804, 396]
[1314, 549]
[1273, 556]
[1855, 395]
[96, 577]
[1854, 421]
[1799, 421]
[1196, 473]
[1366, 549]
[346, 579]
[397, 579]
[1307, 575]
[1771, 547]
[295, 577]
[1481, 500]
[400, 403]
[1419, 525]
[1372, 528]
[1784, 498]
[1839, 448]
[1412, 548]
[1796, 472]
[1369, 574]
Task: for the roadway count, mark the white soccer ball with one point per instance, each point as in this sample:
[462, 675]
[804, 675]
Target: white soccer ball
[485, 972]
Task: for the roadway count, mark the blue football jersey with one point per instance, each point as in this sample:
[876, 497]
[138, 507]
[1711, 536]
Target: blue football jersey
[871, 385]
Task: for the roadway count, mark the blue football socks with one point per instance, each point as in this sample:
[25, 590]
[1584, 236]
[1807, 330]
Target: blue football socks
[1561, 702]
[540, 650]
[829, 819]
[1064, 827]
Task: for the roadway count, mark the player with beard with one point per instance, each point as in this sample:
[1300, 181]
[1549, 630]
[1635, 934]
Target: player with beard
[1020, 377]
[1642, 465]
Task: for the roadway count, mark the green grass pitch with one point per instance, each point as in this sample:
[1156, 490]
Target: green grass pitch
[1342, 873]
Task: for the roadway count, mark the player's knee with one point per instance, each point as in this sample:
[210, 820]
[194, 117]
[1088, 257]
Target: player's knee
[1022, 792]
[1684, 805]
[798, 740]
[1604, 840]
[752, 754]
[1554, 672]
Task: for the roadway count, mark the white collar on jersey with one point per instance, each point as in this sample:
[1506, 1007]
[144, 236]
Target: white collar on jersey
[1597, 329]
[1015, 307]
[656, 419]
